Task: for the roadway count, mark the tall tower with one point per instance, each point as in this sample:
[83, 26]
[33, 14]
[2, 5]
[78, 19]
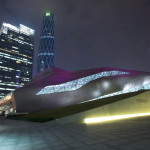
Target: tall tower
[16, 57]
[46, 47]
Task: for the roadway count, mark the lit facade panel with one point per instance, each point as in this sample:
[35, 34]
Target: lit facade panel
[46, 47]
[55, 88]
[130, 90]
[16, 57]
[76, 84]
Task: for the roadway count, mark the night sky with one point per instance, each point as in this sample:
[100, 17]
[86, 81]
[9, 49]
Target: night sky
[89, 33]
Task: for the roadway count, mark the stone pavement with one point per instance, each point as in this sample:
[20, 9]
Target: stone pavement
[117, 135]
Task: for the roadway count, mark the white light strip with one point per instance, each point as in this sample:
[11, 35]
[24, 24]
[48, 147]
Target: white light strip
[10, 26]
[26, 30]
[103, 119]
[10, 89]
[22, 29]
[42, 37]
[11, 57]
[78, 83]
[45, 54]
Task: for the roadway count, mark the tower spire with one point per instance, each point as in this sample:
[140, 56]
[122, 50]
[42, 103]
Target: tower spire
[46, 47]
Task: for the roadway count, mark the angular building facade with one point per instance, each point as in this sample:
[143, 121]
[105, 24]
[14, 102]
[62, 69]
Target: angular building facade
[56, 88]
[46, 47]
[16, 57]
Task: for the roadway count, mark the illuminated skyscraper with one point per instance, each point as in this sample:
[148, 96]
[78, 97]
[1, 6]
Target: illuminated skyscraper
[46, 47]
[16, 56]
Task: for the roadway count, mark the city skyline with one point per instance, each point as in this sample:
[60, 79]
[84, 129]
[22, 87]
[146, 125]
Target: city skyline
[90, 34]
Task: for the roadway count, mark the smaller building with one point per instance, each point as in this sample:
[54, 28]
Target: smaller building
[16, 57]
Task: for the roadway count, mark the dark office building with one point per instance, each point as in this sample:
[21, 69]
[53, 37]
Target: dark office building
[46, 47]
[16, 57]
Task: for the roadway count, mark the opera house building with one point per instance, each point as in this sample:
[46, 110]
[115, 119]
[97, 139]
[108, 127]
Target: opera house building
[55, 94]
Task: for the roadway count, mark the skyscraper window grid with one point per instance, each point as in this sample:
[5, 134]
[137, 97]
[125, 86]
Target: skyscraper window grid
[16, 56]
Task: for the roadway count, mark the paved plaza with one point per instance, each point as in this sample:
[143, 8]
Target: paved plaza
[133, 134]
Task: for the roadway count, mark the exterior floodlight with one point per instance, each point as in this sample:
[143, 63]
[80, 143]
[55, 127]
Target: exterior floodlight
[110, 118]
